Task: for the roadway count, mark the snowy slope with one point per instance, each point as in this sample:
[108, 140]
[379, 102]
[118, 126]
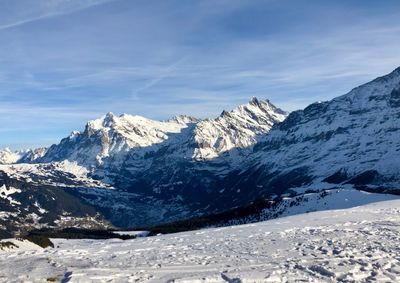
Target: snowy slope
[18, 245]
[329, 199]
[351, 245]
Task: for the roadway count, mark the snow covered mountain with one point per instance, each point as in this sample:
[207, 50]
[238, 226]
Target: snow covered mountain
[235, 129]
[112, 137]
[134, 160]
[21, 156]
[134, 171]
[9, 157]
[352, 139]
[114, 147]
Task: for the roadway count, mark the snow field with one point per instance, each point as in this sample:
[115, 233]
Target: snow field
[350, 245]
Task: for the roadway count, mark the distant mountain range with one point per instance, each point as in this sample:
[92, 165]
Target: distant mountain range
[132, 171]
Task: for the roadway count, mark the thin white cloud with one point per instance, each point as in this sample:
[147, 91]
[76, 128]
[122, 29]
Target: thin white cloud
[49, 9]
[161, 76]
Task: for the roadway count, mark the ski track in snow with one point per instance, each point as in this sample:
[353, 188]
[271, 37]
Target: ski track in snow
[359, 244]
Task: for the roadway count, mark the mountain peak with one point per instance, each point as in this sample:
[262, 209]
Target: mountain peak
[224, 113]
[74, 134]
[256, 108]
[259, 102]
[109, 115]
[108, 120]
[254, 101]
[238, 128]
[183, 119]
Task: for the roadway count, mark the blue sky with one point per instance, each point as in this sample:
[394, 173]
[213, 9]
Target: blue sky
[63, 62]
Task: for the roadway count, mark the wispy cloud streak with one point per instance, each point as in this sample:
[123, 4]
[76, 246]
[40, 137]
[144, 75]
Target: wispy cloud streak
[51, 9]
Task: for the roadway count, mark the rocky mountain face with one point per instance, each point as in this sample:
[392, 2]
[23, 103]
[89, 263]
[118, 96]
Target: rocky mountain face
[237, 129]
[352, 140]
[134, 171]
